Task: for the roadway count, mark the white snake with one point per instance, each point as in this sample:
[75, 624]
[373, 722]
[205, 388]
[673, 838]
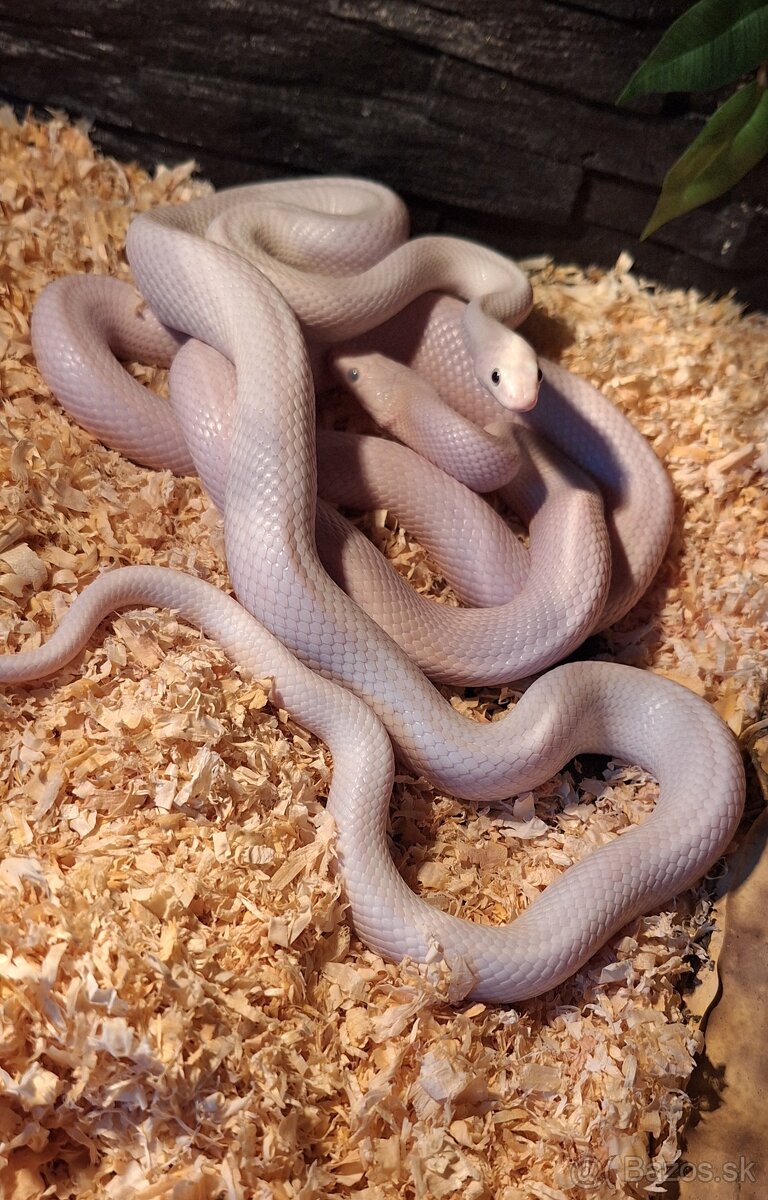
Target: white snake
[264, 480]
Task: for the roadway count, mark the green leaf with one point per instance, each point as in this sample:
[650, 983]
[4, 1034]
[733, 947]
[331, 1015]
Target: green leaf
[715, 42]
[734, 139]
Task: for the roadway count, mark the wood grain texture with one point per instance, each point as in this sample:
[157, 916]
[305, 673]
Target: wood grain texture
[493, 117]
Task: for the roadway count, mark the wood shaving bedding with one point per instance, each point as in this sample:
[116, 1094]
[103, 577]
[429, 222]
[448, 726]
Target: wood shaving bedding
[184, 1009]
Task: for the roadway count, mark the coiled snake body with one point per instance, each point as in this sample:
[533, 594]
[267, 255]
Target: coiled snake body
[334, 667]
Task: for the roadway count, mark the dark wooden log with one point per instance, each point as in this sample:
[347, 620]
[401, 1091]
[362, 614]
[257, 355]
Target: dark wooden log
[492, 117]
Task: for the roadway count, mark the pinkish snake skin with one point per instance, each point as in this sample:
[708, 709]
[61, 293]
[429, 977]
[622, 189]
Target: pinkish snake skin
[335, 669]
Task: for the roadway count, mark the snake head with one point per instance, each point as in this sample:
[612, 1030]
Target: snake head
[384, 388]
[503, 362]
[508, 369]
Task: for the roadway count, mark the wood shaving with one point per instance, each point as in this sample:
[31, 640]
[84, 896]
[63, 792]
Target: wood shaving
[185, 1010]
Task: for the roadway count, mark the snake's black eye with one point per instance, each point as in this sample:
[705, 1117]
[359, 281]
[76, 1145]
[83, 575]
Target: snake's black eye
[353, 374]
[539, 375]
[496, 376]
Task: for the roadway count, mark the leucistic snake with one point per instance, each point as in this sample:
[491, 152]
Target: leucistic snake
[258, 295]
